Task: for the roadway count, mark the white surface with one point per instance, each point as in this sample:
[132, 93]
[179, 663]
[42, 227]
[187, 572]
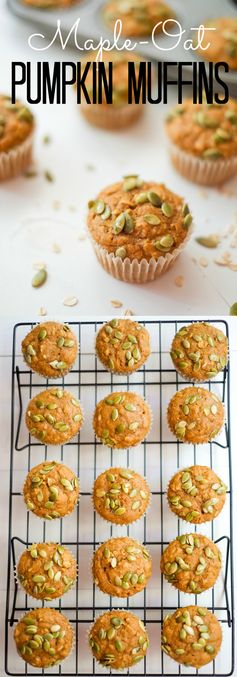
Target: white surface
[5, 376]
[29, 225]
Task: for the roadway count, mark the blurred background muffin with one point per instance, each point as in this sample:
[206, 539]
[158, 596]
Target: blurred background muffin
[16, 137]
[120, 113]
[223, 41]
[203, 141]
[138, 16]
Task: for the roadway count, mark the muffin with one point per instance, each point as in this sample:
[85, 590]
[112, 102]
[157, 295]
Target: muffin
[191, 636]
[191, 563]
[221, 44]
[199, 351]
[203, 141]
[16, 137]
[121, 567]
[121, 495]
[118, 639]
[50, 4]
[195, 415]
[196, 494]
[122, 419]
[138, 17]
[120, 113]
[46, 570]
[51, 490]
[50, 349]
[123, 345]
[54, 416]
[44, 637]
[138, 228]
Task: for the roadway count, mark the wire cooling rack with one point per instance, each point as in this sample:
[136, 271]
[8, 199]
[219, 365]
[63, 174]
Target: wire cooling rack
[158, 457]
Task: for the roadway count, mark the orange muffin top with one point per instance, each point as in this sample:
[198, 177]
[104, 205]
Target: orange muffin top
[138, 16]
[138, 219]
[208, 131]
[16, 123]
[192, 636]
[223, 41]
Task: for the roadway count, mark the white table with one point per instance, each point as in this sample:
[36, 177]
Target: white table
[83, 160]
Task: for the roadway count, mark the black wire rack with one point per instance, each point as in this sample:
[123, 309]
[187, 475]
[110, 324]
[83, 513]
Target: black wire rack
[158, 457]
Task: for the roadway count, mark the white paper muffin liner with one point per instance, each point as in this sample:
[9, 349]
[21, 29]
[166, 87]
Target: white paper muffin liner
[131, 446]
[40, 599]
[112, 371]
[16, 159]
[203, 171]
[48, 667]
[122, 597]
[111, 117]
[135, 271]
[136, 519]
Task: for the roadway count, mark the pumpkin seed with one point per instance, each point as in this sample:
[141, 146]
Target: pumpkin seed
[121, 252]
[39, 278]
[167, 209]
[151, 219]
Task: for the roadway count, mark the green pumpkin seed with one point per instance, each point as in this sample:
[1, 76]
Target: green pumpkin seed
[39, 278]
[167, 209]
[151, 219]
[154, 198]
[42, 334]
[121, 252]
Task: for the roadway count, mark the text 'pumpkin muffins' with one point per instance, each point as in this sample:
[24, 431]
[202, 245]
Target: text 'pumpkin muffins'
[191, 636]
[121, 495]
[138, 228]
[118, 639]
[139, 17]
[196, 494]
[203, 141]
[54, 416]
[195, 415]
[121, 567]
[16, 137]
[44, 637]
[191, 563]
[123, 345]
[51, 490]
[122, 419]
[50, 349]
[46, 570]
[120, 113]
[220, 44]
[199, 351]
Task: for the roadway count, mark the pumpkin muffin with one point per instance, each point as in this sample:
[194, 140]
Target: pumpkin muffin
[46, 570]
[138, 17]
[121, 495]
[50, 349]
[195, 415]
[16, 137]
[138, 228]
[191, 636]
[50, 4]
[121, 567]
[199, 351]
[54, 416]
[123, 345]
[222, 41]
[120, 113]
[122, 419]
[51, 490]
[196, 494]
[118, 639]
[203, 141]
[191, 563]
[44, 637]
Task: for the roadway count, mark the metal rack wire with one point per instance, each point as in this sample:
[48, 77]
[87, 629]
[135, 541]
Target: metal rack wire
[157, 458]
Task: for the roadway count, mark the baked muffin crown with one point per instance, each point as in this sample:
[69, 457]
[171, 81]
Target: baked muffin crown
[121, 495]
[192, 636]
[51, 490]
[54, 416]
[199, 351]
[43, 637]
[195, 415]
[123, 345]
[191, 563]
[50, 349]
[118, 639]
[122, 419]
[196, 494]
[222, 42]
[46, 570]
[121, 567]
[16, 123]
[138, 219]
[138, 16]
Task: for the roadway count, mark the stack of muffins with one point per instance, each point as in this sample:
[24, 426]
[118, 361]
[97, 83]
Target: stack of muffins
[122, 566]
